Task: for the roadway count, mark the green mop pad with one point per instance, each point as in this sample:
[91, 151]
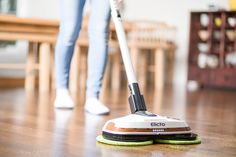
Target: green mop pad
[120, 143]
[143, 143]
[179, 142]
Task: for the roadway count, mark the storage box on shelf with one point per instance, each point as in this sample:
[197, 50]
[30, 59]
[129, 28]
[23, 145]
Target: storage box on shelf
[212, 48]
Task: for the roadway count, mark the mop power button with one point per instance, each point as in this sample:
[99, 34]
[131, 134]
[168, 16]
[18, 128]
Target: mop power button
[158, 130]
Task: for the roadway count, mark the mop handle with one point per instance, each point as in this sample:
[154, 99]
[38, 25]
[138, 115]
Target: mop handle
[123, 42]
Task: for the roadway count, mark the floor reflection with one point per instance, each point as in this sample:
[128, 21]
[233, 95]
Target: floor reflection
[62, 118]
[92, 128]
[156, 150]
[118, 151]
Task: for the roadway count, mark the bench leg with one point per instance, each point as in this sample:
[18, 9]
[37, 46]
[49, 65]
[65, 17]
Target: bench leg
[116, 71]
[44, 67]
[170, 66]
[30, 71]
[134, 53]
[83, 68]
[52, 72]
[106, 78]
[159, 69]
[74, 71]
[143, 69]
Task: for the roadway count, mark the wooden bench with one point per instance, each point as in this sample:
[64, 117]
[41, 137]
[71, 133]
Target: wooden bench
[41, 35]
[157, 38]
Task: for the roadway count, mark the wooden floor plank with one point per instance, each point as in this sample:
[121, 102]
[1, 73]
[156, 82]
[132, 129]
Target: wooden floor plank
[29, 125]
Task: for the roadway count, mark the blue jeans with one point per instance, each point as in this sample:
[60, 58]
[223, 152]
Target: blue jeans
[71, 17]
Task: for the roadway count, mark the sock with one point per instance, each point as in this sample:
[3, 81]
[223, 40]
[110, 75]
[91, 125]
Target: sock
[63, 99]
[94, 106]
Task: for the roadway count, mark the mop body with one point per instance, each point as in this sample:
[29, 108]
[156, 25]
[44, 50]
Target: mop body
[136, 129]
[141, 127]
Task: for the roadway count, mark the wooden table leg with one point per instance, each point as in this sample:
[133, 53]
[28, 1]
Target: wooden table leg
[170, 66]
[106, 75]
[159, 69]
[52, 72]
[44, 67]
[143, 69]
[83, 68]
[74, 71]
[30, 71]
[116, 71]
[134, 52]
[106, 78]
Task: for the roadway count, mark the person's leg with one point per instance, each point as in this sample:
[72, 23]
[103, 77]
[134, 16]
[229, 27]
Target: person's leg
[70, 24]
[97, 57]
[98, 45]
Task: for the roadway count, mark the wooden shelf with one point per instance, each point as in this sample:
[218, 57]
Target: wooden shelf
[216, 24]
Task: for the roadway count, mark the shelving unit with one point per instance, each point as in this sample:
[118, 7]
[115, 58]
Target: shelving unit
[208, 50]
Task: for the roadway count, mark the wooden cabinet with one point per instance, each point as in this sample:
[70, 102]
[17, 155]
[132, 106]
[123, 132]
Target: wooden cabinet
[212, 40]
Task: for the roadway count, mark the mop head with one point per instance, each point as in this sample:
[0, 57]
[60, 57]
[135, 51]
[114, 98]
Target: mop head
[121, 143]
[101, 139]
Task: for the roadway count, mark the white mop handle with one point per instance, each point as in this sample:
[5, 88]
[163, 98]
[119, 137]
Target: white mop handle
[123, 42]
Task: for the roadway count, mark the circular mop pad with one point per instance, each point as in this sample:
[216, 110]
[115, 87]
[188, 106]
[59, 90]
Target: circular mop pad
[121, 143]
[180, 142]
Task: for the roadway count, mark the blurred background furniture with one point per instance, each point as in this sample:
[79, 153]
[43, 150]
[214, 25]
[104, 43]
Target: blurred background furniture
[151, 44]
[152, 47]
[212, 47]
[41, 35]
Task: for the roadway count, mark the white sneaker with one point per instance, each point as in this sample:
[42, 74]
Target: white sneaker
[94, 106]
[63, 99]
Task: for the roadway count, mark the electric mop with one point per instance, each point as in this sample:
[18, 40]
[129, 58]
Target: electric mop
[141, 127]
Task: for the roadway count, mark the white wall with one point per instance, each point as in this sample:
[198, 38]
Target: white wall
[174, 12]
[38, 8]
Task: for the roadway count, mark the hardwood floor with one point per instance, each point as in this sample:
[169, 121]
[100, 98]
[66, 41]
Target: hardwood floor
[29, 125]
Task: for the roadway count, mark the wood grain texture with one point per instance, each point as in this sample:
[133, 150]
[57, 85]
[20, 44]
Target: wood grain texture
[29, 125]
